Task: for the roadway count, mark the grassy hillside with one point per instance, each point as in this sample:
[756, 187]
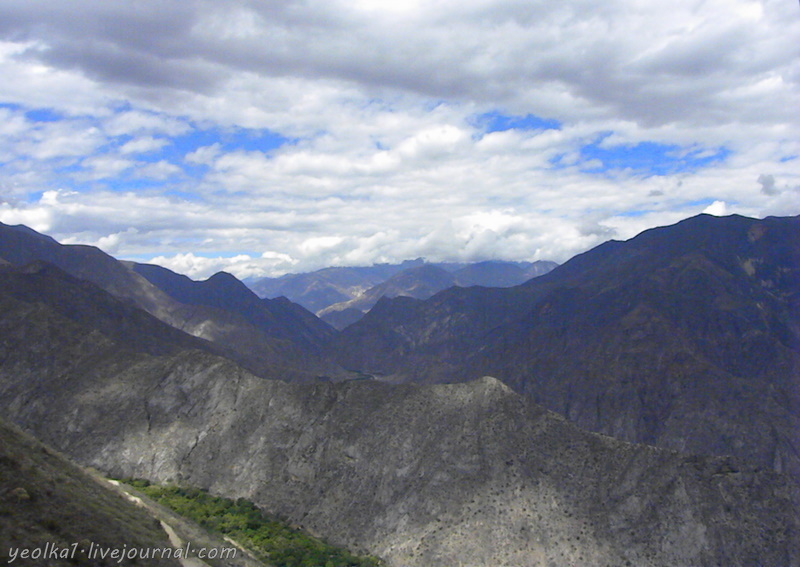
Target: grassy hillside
[59, 514]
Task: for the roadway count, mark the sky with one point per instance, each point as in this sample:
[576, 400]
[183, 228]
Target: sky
[262, 137]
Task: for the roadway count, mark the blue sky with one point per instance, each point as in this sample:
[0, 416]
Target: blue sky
[262, 138]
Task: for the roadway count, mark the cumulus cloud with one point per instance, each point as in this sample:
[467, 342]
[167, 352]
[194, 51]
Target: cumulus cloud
[143, 145]
[382, 147]
[717, 208]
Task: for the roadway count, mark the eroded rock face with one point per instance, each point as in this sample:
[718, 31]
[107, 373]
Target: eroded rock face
[470, 474]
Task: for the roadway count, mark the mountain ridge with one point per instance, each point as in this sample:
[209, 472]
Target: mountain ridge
[331, 290]
[268, 337]
[475, 471]
[648, 340]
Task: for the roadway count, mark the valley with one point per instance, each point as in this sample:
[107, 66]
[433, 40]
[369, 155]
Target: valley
[591, 415]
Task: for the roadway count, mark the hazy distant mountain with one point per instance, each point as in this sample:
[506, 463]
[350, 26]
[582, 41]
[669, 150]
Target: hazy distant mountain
[424, 281]
[420, 282]
[669, 338]
[493, 273]
[319, 291]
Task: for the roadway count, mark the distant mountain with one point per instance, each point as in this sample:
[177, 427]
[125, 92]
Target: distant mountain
[668, 338]
[273, 338]
[279, 317]
[422, 282]
[419, 475]
[317, 290]
[328, 291]
[493, 273]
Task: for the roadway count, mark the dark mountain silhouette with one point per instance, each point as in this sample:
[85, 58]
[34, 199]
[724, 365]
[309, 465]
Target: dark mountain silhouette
[87, 304]
[270, 337]
[669, 338]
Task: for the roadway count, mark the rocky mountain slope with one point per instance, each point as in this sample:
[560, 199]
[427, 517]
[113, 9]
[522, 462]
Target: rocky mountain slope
[471, 473]
[669, 338]
[272, 338]
[420, 475]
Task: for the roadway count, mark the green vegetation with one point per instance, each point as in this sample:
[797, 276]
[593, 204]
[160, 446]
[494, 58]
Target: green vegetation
[272, 540]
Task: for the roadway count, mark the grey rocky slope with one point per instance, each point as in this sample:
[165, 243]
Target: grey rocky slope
[421, 475]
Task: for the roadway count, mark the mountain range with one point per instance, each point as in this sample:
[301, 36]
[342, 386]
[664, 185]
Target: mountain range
[272, 338]
[610, 432]
[666, 339]
[341, 296]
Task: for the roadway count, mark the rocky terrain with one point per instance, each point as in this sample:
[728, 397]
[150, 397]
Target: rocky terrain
[470, 473]
[667, 339]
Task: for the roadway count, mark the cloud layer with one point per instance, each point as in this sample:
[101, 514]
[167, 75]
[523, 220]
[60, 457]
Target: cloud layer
[269, 136]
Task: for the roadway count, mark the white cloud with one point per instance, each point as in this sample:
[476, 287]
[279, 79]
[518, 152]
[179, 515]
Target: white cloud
[717, 208]
[105, 166]
[159, 170]
[137, 122]
[385, 158]
[143, 145]
[204, 155]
